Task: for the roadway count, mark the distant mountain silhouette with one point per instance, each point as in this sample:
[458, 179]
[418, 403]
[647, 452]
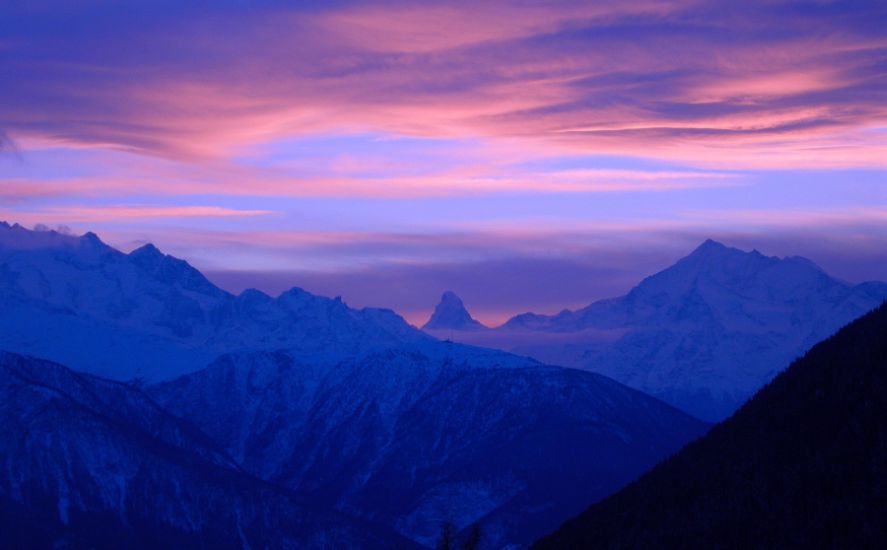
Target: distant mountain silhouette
[703, 334]
[450, 314]
[802, 465]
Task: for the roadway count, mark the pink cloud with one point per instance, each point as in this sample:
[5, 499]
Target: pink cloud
[480, 170]
[427, 28]
[101, 214]
[649, 79]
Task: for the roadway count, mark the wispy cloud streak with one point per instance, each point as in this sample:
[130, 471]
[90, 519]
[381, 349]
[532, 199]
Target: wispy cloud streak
[407, 139]
[696, 81]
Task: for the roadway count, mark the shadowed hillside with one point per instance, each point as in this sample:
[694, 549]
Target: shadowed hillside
[803, 464]
[91, 463]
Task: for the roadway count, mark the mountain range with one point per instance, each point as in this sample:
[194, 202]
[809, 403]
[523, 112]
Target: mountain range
[702, 335]
[91, 463]
[366, 418]
[410, 439]
[151, 316]
[803, 464]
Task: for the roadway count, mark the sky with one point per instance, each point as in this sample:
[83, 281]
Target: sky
[530, 156]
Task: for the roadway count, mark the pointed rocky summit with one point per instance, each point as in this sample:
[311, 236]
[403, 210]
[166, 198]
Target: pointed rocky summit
[450, 314]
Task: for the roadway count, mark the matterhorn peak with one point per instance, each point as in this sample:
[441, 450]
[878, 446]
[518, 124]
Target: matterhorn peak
[450, 314]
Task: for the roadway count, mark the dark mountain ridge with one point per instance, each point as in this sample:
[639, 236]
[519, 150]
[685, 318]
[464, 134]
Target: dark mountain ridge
[803, 464]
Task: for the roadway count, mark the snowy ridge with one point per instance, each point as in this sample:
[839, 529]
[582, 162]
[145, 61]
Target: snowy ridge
[353, 410]
[703, 334]
[151, 316]
[412, 439]
[95, 463]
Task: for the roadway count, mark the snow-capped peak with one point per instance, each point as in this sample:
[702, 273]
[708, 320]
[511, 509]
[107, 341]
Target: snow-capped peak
[171, 270]
[702, 334]
[92, 239]
[16, 237]
[146, 251]
[150, 315]
[710, 246]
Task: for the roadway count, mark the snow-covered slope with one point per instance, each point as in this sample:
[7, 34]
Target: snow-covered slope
[148, 315]
[90, 463]
[703, 334]
[412, 438]
[450, 314]
[354, 410]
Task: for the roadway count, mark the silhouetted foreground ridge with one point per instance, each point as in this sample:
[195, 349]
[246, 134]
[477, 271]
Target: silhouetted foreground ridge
[802, 465]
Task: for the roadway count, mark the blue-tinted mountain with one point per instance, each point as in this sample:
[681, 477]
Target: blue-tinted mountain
[703, 334]
[803, 464]
[354, 411]
[412, 439]
[152, 316]
[91, 463]
[450, 314]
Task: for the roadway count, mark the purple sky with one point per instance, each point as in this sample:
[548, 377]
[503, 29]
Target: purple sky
[528, 155]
